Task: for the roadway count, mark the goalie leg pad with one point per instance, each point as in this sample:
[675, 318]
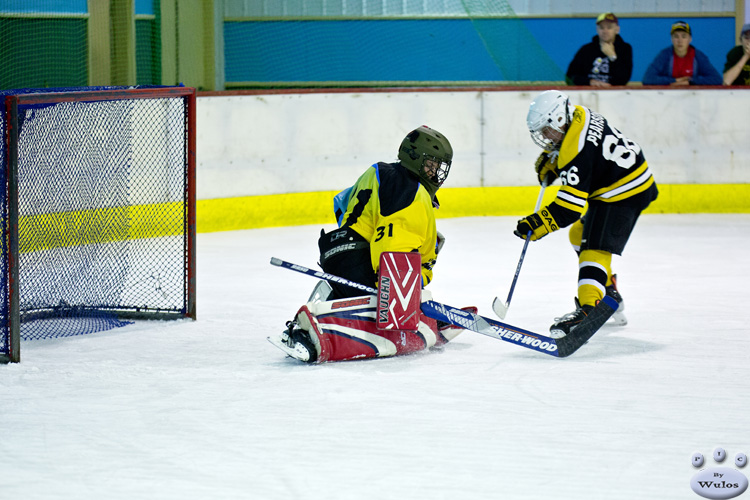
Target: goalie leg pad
[399, 286]
[307, 322]
[410, 341]
[346, 330]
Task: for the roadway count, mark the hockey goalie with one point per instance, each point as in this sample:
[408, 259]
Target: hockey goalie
[387, 237]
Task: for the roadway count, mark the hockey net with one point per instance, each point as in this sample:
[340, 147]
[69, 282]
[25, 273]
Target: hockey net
[98, 211]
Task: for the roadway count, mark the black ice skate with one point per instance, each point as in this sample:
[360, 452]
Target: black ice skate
[296, 343]
[618, 318]
[566, 324]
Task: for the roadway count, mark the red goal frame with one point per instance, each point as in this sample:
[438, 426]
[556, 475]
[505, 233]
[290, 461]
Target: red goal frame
[11, 235]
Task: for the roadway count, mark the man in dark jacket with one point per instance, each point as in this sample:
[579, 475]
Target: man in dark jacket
[737, 67]
[606, 61]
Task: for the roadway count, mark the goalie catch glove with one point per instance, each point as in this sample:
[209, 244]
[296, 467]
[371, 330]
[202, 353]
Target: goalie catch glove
[545, 167]
[540, 224]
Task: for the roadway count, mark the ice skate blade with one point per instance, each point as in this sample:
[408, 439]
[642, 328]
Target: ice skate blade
[618, 319]
[556, 334]
[297, 352]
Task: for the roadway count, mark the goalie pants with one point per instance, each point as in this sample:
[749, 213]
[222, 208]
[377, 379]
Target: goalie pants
[343, 252]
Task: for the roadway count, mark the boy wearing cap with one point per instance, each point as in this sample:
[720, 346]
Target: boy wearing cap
[681, 64]
[737, 68]
[607, 60]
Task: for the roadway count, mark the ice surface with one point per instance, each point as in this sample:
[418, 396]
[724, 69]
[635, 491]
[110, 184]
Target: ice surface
[210, 410]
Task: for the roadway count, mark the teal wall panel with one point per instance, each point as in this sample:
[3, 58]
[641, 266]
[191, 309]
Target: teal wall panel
[441, 50]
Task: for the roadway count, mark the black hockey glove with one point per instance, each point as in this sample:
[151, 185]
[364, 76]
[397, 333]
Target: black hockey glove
[540, 224]
[545, 167]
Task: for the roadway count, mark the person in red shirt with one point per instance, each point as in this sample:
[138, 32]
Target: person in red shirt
[684, 54]
[681, 64]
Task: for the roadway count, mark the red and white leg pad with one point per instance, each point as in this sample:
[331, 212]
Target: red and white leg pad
[399, 291]
[346, 329]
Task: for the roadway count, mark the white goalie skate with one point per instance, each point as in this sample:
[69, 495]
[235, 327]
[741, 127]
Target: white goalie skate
[295, 343]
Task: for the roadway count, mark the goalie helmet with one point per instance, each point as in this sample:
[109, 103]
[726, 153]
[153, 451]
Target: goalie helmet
[549, 116]
[427, 154]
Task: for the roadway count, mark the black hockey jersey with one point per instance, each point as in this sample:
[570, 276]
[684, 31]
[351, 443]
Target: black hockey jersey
[598, 163]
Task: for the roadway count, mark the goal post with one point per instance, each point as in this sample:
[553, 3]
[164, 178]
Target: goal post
[98, 210]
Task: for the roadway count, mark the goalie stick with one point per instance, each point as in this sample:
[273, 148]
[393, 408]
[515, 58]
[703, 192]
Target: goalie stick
[561, 348]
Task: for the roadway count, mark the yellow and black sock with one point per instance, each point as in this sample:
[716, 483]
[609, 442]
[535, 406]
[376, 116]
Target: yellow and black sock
[594, 271]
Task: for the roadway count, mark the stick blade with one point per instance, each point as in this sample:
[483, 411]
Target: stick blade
[500, 308]
[587, 328]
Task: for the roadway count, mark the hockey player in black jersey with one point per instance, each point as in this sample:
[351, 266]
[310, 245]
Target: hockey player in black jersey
[598, 166]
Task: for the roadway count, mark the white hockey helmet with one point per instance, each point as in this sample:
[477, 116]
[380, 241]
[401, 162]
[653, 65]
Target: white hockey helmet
[548, 119]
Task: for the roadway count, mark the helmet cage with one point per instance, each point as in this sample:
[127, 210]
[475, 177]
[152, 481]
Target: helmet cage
[434, 169]
[427, 154]
[543, 141]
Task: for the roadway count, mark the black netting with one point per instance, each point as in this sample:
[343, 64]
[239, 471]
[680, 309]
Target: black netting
[101, 214]
[4, 302]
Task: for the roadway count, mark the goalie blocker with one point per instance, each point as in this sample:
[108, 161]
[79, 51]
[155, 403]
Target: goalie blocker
[389, 323]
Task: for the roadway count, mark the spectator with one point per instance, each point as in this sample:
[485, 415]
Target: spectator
[607, 60]
[737, 69]
[681, 64]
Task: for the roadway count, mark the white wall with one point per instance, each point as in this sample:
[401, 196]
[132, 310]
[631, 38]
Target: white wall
[373, 8]
[272, 144]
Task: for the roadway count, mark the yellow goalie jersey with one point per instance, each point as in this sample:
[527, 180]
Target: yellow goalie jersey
[390, 209]
[597, 163]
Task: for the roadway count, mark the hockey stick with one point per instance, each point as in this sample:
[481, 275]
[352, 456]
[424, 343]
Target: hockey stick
[560, 348]
[501, 309]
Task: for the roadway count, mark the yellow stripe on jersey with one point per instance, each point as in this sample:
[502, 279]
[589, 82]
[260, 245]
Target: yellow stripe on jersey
[570, 148]
[571, 198]
[635, 182]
